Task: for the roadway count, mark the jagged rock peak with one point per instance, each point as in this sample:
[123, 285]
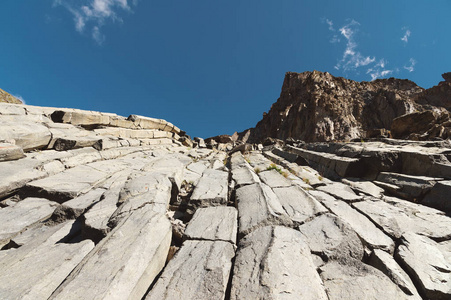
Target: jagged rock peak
[316, 106]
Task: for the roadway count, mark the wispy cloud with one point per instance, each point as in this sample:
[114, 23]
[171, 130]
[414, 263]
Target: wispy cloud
[335, 38]
[91, 15]
[378, 70]
[352, 59]
[406, 36]
[410, 67]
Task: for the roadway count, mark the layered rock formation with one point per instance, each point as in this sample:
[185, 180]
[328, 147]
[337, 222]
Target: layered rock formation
[316, 107]
[98, 206]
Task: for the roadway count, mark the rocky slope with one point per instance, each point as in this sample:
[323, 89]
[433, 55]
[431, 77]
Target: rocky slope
[98, 206]
[8, 98]
[316, 107]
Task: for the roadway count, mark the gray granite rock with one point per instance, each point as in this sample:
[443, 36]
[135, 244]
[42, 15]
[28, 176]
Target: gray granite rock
[423, 259]
[199, 270]
[212, 189]
[330, 237]
[214, 224]
[298, 204]
[397, 217]
[259, 206]
[367, 231]
[10, 152]
[25, 213]
[438, 197]
[266, 254]
[112, 271]
[244, 175]
[41, 271]
[340, 191]
[384, 262]
[358, 281]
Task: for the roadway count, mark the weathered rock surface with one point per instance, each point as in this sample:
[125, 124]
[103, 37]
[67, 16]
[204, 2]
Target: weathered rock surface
[358, 281]
[120, 208]
[200, 270]
[427, 265]
[316, 106]
[259, 206]
[267, 253]
[147, 235]
[212, 189]
[213, 224]
[367, 231]
[332, 238]
[22, 215]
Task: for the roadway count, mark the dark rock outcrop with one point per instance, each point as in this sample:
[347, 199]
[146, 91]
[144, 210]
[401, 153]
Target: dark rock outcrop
[318, 107]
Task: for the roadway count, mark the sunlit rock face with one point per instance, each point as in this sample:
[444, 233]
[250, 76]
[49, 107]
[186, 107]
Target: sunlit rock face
[316, 106]
[99, 206]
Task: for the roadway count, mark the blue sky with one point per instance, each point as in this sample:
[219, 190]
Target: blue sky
[210, 67]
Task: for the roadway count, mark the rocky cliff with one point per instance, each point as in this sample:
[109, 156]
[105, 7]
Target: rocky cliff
[99, 206]
[316, 106]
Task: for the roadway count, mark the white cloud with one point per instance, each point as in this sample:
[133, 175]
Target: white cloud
[352, 58]
[411, 68]
[331, 25]
[378, 70]
[93, 14]
[406, 36]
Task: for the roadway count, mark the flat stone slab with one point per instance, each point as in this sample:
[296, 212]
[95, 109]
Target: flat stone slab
[410, 187]
[426, 264]
[274, 262]
[26, 134]
[244, 175]
[10, 152]
[96, 218]
[212, 189]
[66, 185]
[214, 224]
[329, 236]
[112, 271]
[340, 191]
[438, 197]
[199, 270]
[397, 217]
[298, 204]
[356, 281]
[259, 206]
[274, 179]
[40, 272]
[366, 187]
[366, 230]
[329, 163]
[72, 209]
[25, 213]
[384, 262]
